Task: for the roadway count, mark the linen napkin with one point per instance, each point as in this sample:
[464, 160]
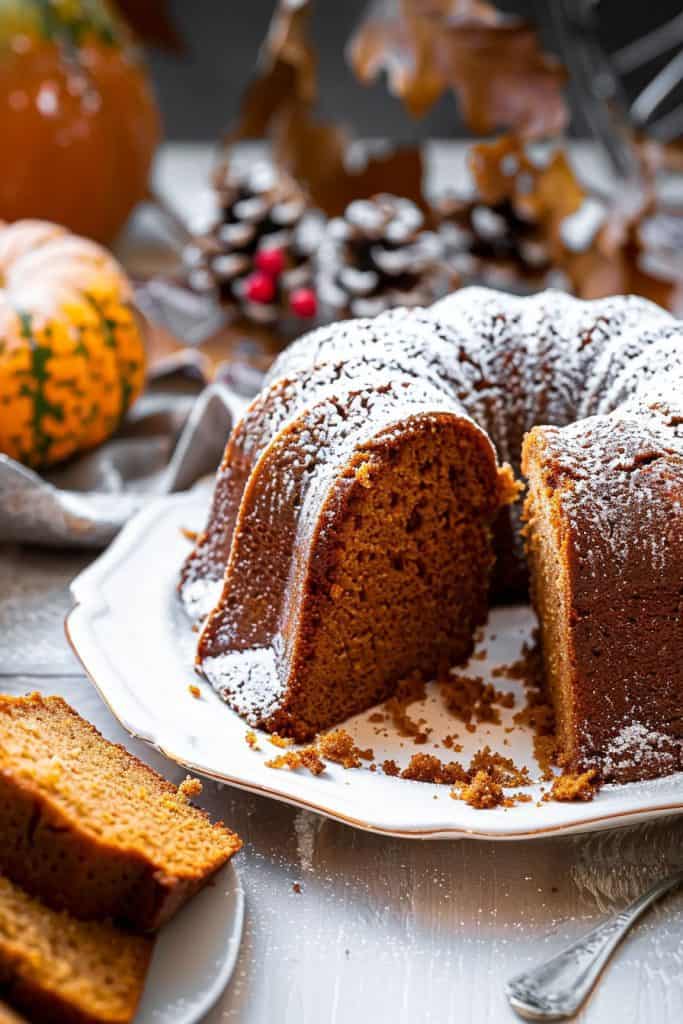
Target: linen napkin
[169, 442]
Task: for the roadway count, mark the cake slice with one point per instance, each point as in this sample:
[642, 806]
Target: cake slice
[57, 969]
[89, 828]
[397, 343]
[371, 504]
[605, 543]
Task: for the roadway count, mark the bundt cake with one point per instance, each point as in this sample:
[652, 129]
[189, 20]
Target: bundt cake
[367, 494]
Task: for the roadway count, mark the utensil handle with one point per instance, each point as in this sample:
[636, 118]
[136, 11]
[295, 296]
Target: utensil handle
[557, 989]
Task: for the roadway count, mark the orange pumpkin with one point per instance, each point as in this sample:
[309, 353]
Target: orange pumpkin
[72, 354]
[78, 121]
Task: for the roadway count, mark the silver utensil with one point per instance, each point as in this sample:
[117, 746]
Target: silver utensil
[557, 989]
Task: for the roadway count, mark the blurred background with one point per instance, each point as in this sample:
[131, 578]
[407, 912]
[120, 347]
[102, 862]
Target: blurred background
[328, 199]
[199, 87]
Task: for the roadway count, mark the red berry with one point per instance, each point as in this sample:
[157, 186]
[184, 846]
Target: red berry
[270, 261]
[304, 302]
[259, 287]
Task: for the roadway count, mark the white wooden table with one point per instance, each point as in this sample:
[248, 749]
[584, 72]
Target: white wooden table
[382, 929]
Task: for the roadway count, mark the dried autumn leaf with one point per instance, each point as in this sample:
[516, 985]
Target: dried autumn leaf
[398, 37]
[596, 245]
[401, 169]
[279, 104]
[502, 78]
[543, 192]
[316, 153]
[286, 74]
[492, 62]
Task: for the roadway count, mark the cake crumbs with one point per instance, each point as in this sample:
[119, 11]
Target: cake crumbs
[502, 770]
[296, 887]
[339, 746]
[482, 793]
[191, 535]
[311, 760]
[195, 691]
[450, 744]
[280, 741]
[574, 787]
[472, 700]
[307, 757]
[190, 787]
[483, 783]
[429, 768]
[409, 691]
[251, 739]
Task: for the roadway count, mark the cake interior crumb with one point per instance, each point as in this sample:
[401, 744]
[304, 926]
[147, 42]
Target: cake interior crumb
[574, 787]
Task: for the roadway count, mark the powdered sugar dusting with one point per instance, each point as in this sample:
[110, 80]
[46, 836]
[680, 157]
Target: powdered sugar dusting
[636, 741]
[605, 377]
[288, 487]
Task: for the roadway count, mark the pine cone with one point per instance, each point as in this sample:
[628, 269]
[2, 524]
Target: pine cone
[493, 245]
[256, 258]
[379, 255]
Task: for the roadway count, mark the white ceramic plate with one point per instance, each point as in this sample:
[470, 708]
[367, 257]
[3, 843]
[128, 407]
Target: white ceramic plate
[137, 646]
[181, 989]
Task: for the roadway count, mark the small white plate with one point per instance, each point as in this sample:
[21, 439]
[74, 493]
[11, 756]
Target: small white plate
[137, 646]
[182, 986]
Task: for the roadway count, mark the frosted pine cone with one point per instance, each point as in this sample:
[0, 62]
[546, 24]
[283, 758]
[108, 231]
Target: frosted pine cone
[379, 255]
[256, 258]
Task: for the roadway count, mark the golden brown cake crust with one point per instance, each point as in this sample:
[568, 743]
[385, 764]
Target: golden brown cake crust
[91, 828]
[605, 539]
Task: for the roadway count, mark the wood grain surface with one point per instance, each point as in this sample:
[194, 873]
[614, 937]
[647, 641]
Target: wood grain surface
[383, 929]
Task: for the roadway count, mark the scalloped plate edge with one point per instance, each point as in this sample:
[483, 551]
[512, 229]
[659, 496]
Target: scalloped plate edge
[90, 602]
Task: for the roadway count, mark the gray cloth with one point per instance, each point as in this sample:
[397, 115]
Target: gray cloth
[169, 442]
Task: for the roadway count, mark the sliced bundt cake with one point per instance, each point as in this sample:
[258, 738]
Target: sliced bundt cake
[379, 500]
[605, 540]
[364, 497]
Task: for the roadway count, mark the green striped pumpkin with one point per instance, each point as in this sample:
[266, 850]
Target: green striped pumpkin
[72, 353]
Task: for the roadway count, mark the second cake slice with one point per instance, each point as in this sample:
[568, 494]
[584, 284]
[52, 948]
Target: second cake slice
[89, 828]
[58, 970]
